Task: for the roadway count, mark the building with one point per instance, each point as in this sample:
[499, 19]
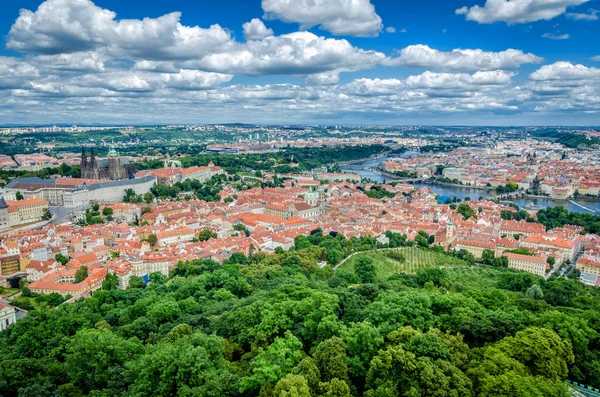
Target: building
[9, 314]
[590, 271]
[25, 211]
[4, 218]
[521, 228]
[167, 237]
[9, 265]
[51, 190]
[172, 172]
[527, 263]
[109, 192]
[476, 248]
[113, 167]
[562, 249]
[303, 210]
[62, 281]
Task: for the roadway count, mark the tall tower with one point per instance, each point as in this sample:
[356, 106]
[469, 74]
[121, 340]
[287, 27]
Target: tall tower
[83, 164]
[92, 166]
[449, 230]
[83, 157]
[114, 165]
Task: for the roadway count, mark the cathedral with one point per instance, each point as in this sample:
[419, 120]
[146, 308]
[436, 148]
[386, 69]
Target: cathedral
[112, 167]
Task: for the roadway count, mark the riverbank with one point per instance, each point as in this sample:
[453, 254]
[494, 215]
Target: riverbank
[367, 170]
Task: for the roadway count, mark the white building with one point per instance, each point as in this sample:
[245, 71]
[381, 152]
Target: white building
[107, 192]
[8, 315]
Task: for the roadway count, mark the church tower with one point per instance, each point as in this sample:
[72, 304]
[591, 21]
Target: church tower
[93, 166]
[83, 159]
[114, 165]
[449, 230]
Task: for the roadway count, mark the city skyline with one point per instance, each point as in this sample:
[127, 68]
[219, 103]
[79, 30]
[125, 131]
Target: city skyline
[341, 62]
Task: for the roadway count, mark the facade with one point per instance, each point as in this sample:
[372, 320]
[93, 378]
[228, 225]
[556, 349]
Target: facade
[4, 218]
[532, 264]
[51, 190]
[62, 281]
[113, 167]
[476, 248]
[172, 173]
[8, 315]
[563, 250]
[175, 235]
[107, 192]
[303, 210]
[590, 271]
[9, 265]
[26, 211]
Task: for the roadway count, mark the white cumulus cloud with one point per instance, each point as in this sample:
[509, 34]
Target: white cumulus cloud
[340, 17]
[256, 30]
[299, 53]
[565, 71]
[517, 11]
[423, 56]
[68, 26]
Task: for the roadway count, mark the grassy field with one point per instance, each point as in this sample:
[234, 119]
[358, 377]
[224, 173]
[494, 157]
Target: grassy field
[477, 277]
[10, 291]
[415, 259]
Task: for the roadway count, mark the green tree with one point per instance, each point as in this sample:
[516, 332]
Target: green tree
[308, 369]
[365, 269]
[335, 388]
[46, 215]
[466, 211]
[190, 365]
[81, 274]
[152, 239]
[62, 259]
[110, 282]
[292, 386]
[136, 282]
[19, 196]
[363, 341]
[157, 278]
[237, 258]
[534, 292]
[275, 362]
[107, 211]
[488, 256]
[206, 234]
[94, 358]
[542, 350]
[330, 358]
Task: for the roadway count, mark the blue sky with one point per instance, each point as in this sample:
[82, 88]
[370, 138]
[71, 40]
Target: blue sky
[522, 62]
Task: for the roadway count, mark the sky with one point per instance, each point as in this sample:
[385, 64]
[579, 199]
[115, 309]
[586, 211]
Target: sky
[348, 62]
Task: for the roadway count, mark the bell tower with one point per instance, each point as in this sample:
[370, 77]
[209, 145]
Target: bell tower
[449, 230]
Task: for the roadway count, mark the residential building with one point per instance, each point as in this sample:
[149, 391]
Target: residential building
[528, 263]
[25, 211]
[62, 281]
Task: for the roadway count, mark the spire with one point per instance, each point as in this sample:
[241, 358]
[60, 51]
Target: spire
[83, 157]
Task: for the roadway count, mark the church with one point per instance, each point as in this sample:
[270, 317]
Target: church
[112, 167]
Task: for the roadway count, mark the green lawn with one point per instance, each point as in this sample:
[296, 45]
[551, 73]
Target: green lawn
[10, 291]
[415, 259]
[477, 277]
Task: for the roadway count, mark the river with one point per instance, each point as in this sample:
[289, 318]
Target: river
[365, 170]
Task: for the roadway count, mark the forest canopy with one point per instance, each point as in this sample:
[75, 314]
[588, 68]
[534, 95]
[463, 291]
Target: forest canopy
[279, 325]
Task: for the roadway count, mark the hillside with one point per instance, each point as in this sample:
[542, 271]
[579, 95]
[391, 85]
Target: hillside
[280, 326]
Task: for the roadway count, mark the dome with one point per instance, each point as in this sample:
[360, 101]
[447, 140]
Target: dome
[113, 153]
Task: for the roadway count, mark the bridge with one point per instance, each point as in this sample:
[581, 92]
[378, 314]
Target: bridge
[505, 196]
